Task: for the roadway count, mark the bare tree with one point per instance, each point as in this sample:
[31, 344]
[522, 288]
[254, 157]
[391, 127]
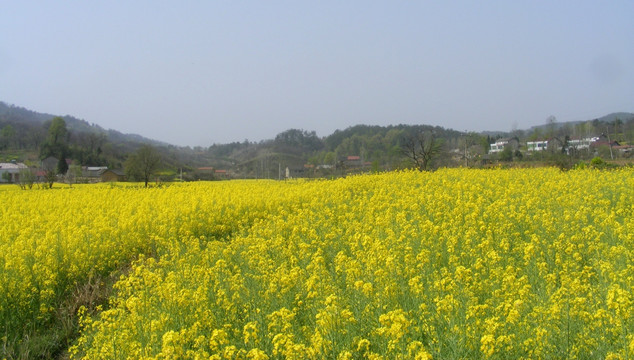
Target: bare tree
[72, 174]
[143, 164]
[26, 179]
[50, 176]
[421, 148]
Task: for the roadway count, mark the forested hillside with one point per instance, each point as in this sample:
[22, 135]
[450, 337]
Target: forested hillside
[23, 132]
[25, 137]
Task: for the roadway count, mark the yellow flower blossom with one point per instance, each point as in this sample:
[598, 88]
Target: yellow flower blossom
[458, 263]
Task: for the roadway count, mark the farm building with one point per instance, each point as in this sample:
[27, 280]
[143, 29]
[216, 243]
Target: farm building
[539, 145]
[499, 145]
[10, 172]
[108, 175]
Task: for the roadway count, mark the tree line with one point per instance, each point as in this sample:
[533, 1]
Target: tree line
[373, 148]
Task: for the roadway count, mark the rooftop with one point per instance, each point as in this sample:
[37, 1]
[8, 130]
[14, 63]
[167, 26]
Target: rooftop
[12, 166]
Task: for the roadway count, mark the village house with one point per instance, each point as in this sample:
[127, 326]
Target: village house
[555, 144]
[10, 172]
[92, 174]
[205, 173]
[624, 150]
[501, 144]
[539, 145]
[108, 175]
[353, 160]
[49, 164]
[581, 143]
[220, 173]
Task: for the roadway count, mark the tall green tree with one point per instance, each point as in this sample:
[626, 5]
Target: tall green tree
[57, 143]
[62, 165]
[57, 131]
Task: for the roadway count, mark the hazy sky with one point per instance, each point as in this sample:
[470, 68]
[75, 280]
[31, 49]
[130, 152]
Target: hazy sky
[204, 72]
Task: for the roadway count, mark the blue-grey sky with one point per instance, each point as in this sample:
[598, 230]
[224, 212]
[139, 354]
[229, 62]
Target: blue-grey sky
[204, 72]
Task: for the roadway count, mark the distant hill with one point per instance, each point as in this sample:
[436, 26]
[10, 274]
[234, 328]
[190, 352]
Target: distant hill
[623, 116]
[303, 152]
[24, 132]
[608, 119]
[10, 114]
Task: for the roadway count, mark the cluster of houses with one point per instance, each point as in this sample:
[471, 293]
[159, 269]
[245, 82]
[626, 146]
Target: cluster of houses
[10, 172]
[574, 144]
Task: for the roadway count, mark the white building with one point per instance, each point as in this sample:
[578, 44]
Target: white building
[10, 172]
[499, 145]
[537, 145]
[580, 144]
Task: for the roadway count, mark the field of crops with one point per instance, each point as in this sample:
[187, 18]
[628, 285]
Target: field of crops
[458, 263]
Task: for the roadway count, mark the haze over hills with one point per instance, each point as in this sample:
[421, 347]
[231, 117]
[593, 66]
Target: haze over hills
[608, 119]
[16, 115]
[381, 146]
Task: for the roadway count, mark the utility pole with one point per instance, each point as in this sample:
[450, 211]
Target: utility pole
[607, 131]
[466, 159]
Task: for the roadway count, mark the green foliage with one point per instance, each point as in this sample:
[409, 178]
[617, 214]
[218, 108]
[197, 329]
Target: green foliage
[563, 162]
[375, 166]
[57, 140]
[62, 165]
[506, 154]
[49, 178]
[39, 135]
[330, 158]
[57, 132]
[300, 139]
[580, 165]
[7, 137]
[597, 163]
[26, 179]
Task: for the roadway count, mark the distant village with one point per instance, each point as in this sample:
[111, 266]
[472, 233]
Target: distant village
[578, 147]
[16, 172]
[12, 171]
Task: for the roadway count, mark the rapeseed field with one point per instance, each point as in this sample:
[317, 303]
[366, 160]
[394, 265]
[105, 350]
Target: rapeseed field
[458, 263]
